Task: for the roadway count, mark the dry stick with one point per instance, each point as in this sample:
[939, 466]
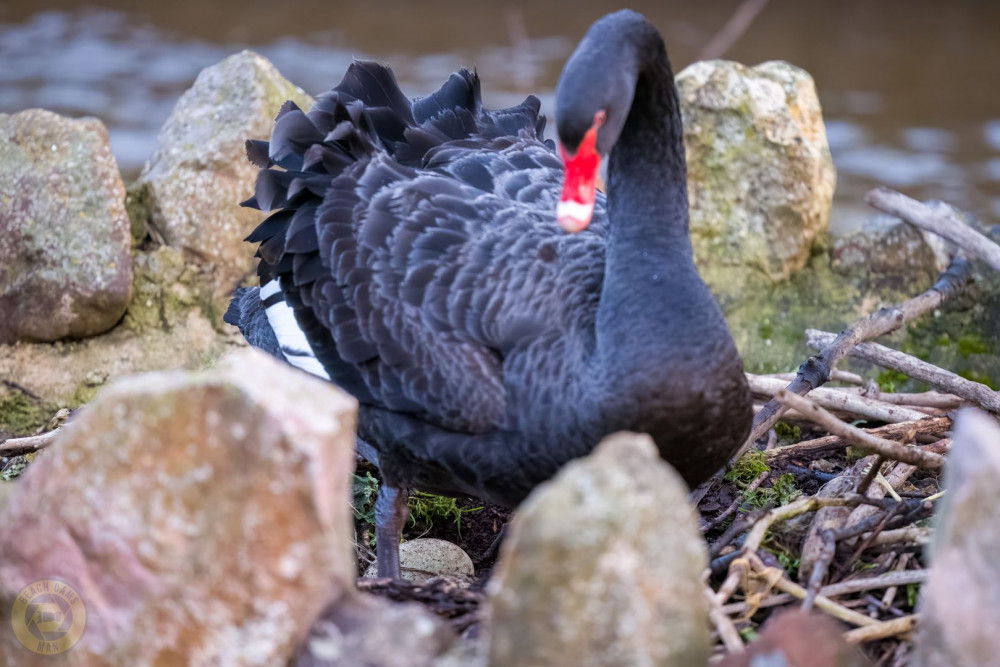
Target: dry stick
[900, 568]
[881, 630]
[31, 443]
[888, 580]
[834, 399]
[915, 534]
[723, 624]
[816, 370]
[832, 443]
[915, 368]
[751, 487]
[836, 375]
[927, 399]
[887, 448]
[783, 583]
[944, 223]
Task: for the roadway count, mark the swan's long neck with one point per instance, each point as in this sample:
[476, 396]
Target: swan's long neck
[653, 305]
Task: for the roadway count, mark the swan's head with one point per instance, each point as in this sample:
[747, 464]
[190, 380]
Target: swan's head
[593, 100]
[576, 205]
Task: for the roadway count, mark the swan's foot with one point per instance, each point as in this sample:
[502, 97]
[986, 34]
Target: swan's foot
[390, 515]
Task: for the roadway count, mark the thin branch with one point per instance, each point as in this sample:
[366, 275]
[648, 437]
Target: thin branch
[881, 630]
[816, 370]
[723, 624]
[31, 443]
[916, 368]
[834, 399]
[887, 448]
[831, 443]
[941, 222]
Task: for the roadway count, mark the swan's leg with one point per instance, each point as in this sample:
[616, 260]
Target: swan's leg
[390, 515]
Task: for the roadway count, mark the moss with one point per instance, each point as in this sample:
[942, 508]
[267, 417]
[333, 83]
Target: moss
[970, 344]
[427, 508]
[787, 434]
[782, 492]
[22, 415]
[890, 380]
[138, 203]
[748, 468]
[15, 466]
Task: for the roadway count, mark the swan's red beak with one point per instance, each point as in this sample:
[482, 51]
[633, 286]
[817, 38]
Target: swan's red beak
[576, 206]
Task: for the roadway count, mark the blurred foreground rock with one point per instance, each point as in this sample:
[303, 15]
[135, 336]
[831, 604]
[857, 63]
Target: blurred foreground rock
[65, 262]
[201, 517]
[190, 191]
[602, 567]
[365, 631]
[425, 558]
[962, 595]
[760, 174]
[798, 639]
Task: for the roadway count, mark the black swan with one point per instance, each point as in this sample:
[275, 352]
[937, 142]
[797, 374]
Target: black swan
[419, 259]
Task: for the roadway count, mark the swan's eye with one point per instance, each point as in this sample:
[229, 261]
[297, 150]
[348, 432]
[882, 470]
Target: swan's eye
[576, 206]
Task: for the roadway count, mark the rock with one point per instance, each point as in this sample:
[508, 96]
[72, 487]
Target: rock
[190, 191]
[426, 558]
[760, 174]
[963, 589]
[602, 566]
[201, 518]
[888, 254]
[65, 267]
[361, 631]
[798, 639]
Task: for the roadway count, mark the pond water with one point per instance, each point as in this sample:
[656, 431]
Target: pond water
[910, 88]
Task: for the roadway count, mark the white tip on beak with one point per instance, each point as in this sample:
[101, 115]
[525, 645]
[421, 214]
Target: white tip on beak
[573, 216]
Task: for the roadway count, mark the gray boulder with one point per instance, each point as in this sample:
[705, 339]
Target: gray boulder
[602, 567]
[962, 593]
[65, 267]
[189, 192]
[760, 174]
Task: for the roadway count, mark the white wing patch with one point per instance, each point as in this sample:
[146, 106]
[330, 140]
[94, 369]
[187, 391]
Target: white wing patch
[294, 345]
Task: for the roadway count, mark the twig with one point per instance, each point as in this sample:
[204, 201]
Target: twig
[831, 443]
[915, 534]
[723, 624]
[834, 399]
[732, 30]
[31, 443]
[915, 368]
[816, 370]
[836, 375]
[822, 602]
[881, 630]
[943, 223]
[890, 593]
[752, 486]
[887, 448]
[927, 399]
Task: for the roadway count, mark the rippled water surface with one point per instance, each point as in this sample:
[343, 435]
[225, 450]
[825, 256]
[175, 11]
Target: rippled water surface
[910, 89]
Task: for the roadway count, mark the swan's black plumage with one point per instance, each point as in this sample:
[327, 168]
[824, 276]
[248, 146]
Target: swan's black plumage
[417, 244]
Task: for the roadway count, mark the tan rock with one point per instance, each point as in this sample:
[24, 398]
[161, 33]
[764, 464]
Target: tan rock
[962, 592]
[760, 174]
[190, 191]
[425, 558]
[65, 263]
[602, 566]
[202, 518]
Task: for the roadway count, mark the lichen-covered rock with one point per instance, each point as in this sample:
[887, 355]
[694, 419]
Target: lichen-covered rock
[427, 557]
[962, 592]
[65, 263]
[190, 191]
[201, 517]
[365, 631]
[760, 174]
[603, 566]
